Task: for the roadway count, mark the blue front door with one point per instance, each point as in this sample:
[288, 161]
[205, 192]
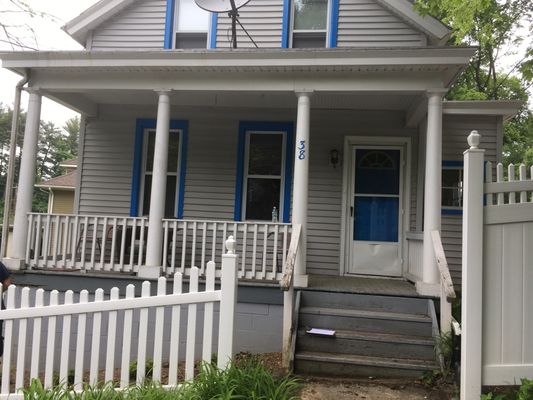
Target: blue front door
[375, 213]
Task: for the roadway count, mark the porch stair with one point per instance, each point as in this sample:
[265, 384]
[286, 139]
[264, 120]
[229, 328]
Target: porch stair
[378, 336]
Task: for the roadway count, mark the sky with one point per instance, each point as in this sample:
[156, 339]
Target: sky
[49, 37]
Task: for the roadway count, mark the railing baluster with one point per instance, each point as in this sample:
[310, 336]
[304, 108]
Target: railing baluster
[94, 243]
[165, 247]
[254, 251]
[122, 245]
[275, 252]
[141, 249]
[103, 245]
[55, 245]
[46, 241]
[133, 241]
[204, 238]
[65, 239]
[29, 240]
[183, 247]
[193, 246]
[224, 236]
[74, 241]
[172, 268]
[80, 343]
[285, 239]
[37, 251]
[113, 246]
[214, 245]
[244, 247]
[265, 245]
[83, 246]
[65, 341]
[175, 336]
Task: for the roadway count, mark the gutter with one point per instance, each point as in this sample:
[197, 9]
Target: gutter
[11, 163]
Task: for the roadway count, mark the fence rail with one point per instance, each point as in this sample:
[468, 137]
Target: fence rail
[118, 244]
[49, 337]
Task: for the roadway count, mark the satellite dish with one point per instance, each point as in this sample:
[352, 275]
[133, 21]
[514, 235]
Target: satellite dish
[220, 5]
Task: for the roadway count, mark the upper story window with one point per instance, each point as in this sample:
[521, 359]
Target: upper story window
[452, 187]
[191, 25]
[309, 23]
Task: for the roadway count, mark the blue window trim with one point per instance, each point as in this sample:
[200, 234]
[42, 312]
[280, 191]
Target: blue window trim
[244, 127]
[141, 125]
[286, 24]
[169, 23]
[452, 164]
[213, 32]
[333, 23]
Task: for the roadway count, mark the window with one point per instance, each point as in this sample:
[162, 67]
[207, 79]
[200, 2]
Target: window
[191, 25]
[309, 23]
[144, 163]
[264, 171]
[452, 187]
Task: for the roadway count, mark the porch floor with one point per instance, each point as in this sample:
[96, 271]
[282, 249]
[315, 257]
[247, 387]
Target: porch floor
[362, 285]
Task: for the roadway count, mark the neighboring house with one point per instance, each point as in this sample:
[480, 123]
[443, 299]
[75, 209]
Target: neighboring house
[61, 189]
[336, 123]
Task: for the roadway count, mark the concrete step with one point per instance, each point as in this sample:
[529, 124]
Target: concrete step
[365, 321]
[409, 305]
[320, 363]
[368, 344]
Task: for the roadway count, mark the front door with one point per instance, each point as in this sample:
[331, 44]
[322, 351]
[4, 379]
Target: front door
[375, 217]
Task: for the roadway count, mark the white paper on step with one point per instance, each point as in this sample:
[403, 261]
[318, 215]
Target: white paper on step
[321, 332]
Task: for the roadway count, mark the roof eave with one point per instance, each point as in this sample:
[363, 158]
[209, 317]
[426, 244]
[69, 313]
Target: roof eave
[504, 108]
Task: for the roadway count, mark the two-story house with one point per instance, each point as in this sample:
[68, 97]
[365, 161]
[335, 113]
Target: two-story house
[335, 122]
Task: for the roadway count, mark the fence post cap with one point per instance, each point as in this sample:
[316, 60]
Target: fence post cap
[230, 245]
[473, 139]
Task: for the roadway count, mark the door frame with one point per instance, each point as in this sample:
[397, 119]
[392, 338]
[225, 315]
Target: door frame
[347, 174]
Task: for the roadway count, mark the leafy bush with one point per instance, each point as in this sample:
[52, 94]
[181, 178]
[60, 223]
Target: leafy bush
[524, 392]
[247, 378]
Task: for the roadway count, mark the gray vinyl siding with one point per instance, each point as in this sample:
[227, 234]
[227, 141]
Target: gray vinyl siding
[365, 23]
[263, 19]
[456, 129]
[107, 166]
[141, 26]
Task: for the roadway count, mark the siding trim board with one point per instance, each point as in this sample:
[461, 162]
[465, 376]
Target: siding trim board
[286, 24]
[213, 31]
[333, 24]
[244, 127]
[169, 23]
[141, 125]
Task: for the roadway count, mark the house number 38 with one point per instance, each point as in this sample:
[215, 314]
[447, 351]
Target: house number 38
[301, 150]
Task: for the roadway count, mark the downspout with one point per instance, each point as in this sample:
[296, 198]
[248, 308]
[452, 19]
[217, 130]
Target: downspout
[11, 162]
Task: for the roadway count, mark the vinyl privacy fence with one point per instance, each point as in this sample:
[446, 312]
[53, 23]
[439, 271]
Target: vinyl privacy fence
[497, 298]
[61, 342]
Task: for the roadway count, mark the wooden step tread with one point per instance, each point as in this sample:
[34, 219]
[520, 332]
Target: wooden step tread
[377, 337]
[381, 362]
[347, 312]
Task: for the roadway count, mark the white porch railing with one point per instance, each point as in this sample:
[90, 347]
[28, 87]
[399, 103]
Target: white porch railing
[118, 244]
[86, 242]
[415, 254]
[263, 246]
[70, 334]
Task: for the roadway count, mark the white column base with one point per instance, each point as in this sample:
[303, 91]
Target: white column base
[300, 281]
[149, 272]
[14, 264]
[428, 289]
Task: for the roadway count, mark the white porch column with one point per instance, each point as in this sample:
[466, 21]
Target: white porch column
[26, 182]
[432, 192]
[154, 244]
[301, 184]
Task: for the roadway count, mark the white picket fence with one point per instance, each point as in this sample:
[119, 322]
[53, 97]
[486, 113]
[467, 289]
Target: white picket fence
[43, 334]
[95, 243]
[497, 295]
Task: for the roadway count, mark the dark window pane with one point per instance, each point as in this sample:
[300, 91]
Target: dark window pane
[191, 40]
[308, 40]
[451, 177]
[170, 198]
[173, 151]
[265, 154]
[376, 219]
[261, 196]
[377, 171]
[451, 197]
[147, 193]
[150, 151]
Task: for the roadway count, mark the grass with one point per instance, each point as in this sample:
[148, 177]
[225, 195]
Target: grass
[246, 378]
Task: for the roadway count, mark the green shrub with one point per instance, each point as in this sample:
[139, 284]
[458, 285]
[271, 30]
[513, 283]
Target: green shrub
[524, 392]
